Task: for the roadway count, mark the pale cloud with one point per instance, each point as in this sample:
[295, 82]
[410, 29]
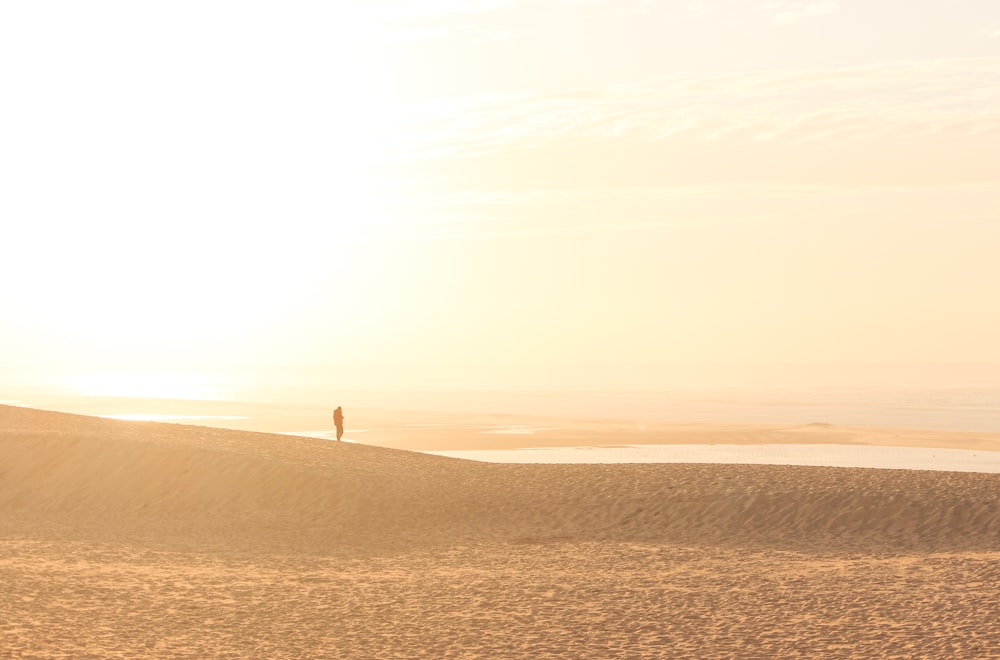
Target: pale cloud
[414, 34]
[786, 12]
[498, 198]
[484, 213]
[414, 21]
[406, 22]
[699, 10]
[898, 101]
[408, 10]
[415, 9]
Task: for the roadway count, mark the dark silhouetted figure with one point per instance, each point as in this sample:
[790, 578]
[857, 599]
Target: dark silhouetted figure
[338, 420]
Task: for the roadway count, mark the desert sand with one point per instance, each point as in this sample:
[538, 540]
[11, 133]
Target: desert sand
[141, 539]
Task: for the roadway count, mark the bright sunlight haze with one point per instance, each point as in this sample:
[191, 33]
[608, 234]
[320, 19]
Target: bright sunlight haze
[497, 191]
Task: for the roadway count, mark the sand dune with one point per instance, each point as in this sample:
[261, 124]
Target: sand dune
[142, 538]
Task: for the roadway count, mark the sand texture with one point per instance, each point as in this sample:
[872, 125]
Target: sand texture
[130, 539]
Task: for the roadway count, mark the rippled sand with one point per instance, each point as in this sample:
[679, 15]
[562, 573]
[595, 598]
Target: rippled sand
[129, 539]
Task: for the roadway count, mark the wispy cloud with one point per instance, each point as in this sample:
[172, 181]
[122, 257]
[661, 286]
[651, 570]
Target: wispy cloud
[411, 9]
[959, 96]
[412, 21]
[416, 20]
[786, 12]
[476, 214]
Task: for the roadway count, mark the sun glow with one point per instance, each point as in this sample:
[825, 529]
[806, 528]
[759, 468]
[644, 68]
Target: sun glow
[481, 191]
[182, 386]
[198, 197]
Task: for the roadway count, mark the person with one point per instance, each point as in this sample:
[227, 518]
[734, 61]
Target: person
[338, 420]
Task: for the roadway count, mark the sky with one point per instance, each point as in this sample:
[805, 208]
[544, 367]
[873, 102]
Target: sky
[496, 192]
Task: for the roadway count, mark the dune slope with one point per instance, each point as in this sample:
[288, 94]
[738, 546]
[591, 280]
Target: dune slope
[126, 539]
[188, 486]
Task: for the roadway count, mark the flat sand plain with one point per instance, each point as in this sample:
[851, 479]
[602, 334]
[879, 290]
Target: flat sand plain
[138, 539]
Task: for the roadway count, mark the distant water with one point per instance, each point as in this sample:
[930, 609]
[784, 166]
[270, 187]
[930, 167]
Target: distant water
[853, 456]
[958, 409]
[968, 409]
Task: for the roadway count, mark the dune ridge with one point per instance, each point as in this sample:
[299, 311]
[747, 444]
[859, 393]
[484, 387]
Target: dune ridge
[138, 539]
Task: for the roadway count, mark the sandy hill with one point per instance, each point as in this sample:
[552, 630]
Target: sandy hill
[129, 539]
[187, 487]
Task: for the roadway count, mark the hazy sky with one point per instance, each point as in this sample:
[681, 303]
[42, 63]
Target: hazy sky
[464, 184]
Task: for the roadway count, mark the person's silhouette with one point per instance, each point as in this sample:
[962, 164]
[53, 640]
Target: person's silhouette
[338, 420]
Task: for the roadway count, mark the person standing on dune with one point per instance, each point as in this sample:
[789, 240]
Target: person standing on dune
[338, 421]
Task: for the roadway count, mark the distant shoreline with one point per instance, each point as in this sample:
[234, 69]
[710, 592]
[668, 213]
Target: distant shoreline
[433, 431]
[966, 409]
[815, 455]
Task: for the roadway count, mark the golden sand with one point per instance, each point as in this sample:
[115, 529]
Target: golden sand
[128, 539]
